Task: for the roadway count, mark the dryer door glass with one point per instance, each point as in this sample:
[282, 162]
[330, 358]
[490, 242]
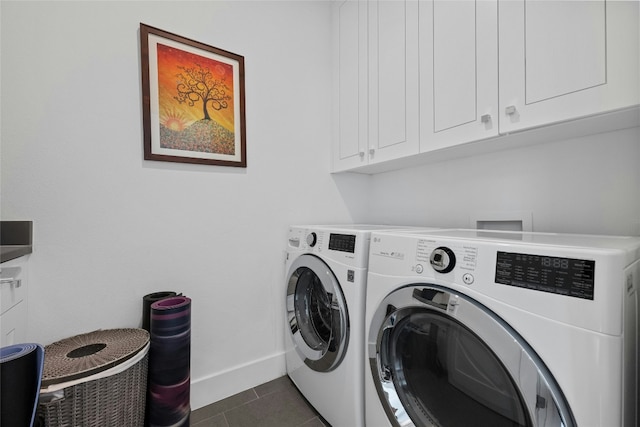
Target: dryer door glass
[443, 359]
[317, 314]
[446, 376]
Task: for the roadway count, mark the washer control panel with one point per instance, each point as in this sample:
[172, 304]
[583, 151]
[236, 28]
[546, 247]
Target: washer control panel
[342, 242]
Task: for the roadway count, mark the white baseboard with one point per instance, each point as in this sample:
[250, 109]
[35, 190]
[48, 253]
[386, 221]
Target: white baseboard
[218, 386]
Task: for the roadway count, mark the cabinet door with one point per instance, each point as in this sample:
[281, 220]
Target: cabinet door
[350, 84]
[393, 79]
[458, 72]
[561, 60]
[13, 325]
[13, 299]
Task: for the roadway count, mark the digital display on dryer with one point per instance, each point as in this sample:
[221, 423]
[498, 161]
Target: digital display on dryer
[564, 276]
[342, 242]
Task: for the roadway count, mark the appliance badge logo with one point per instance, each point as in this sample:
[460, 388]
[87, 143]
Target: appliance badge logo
[392, 254]
[385, 253]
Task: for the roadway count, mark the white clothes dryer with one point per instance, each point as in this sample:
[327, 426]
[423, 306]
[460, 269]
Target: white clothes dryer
[483, 328]
[326, 273]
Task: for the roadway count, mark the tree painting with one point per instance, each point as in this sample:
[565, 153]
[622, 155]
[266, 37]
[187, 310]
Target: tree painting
[197, 84]
[195, 96]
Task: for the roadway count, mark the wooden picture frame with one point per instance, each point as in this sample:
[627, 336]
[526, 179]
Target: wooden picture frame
[193, 101]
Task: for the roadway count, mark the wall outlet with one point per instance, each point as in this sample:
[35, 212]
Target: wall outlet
[509, 221]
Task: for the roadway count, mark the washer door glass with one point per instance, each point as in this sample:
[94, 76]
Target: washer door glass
[317, 314]
[444, 360]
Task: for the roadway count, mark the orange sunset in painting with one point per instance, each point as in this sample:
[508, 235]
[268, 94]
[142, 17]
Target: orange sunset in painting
[195, 97]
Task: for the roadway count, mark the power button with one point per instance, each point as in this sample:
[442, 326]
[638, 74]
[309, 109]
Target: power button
[468, 278]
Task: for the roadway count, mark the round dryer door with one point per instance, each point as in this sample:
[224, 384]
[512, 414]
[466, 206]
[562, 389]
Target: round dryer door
[443, 359]
[317, 314]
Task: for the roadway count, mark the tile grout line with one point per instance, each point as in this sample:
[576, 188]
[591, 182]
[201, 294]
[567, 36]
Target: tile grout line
[240, 405]
[257, 397]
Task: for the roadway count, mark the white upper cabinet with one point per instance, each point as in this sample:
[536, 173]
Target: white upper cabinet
[393, 79]
[350, 84]
[417, 76]
[458, 72]
[564, 59]
[375, 82]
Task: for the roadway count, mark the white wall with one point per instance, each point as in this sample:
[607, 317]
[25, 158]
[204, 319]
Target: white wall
[584, 185]
[110, 227]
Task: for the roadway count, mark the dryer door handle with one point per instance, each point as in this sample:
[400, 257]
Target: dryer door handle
[432, 297]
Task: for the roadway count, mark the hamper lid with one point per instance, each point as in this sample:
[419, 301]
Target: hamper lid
[87, 354]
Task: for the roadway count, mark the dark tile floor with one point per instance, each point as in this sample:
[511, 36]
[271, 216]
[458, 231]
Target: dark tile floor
[277, 403]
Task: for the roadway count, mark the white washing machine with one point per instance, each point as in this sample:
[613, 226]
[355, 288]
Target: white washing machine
[479, 328]
[326, 273]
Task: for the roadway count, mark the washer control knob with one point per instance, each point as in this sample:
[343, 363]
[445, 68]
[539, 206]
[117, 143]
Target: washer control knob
[312, 238]
[443, 260]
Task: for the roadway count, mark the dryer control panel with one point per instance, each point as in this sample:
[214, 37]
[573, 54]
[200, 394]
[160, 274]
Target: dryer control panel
[577, 280]
[444, 259]
[564, 276]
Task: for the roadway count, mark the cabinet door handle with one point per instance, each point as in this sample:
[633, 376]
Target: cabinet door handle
[361, 153]
[485, 118]
[11, 281]
[371, 151]
[510, 110]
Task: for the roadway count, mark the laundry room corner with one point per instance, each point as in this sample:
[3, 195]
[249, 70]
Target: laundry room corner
[110, 227]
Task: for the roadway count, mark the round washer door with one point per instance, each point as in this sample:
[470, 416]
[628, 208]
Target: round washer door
[317, 314]
[443, 359]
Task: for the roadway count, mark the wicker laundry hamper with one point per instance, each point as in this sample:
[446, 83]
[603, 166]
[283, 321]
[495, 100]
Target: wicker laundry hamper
[95, 379]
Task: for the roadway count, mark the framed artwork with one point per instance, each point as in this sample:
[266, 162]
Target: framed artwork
[193, 101]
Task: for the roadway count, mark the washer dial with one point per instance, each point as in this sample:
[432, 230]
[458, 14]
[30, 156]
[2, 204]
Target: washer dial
[312, 238]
